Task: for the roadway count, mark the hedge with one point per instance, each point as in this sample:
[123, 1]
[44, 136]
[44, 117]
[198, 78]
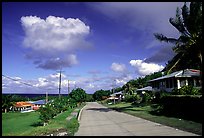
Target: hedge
[183, 106]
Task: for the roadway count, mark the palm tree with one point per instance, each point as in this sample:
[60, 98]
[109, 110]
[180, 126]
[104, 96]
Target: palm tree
[188, 46]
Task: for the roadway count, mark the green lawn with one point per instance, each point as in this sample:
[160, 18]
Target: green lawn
[58, 123]
[16, 123]
[144, 112]
[28, 124]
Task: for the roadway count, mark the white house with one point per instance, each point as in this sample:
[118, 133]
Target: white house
[176, 80]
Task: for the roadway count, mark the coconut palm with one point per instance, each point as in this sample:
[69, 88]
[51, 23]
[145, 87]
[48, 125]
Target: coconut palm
[188, 46]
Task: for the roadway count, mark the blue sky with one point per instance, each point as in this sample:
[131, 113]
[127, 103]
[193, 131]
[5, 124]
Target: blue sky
[98, 45]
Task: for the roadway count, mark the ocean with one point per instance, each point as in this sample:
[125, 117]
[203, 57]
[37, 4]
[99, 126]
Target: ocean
[32, 95]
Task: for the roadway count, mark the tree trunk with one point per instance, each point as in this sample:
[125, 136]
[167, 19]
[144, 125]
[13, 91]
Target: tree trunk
[173, 65]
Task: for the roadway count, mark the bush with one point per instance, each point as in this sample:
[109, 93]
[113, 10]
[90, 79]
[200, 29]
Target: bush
[158, 95]
[132, 98]
[46, 113]
[146, 98]
[186, 90]
[187, 107]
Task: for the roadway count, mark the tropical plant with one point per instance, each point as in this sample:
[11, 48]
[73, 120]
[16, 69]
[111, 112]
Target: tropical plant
[188, 46]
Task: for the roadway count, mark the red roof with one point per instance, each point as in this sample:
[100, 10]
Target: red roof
[22, 104]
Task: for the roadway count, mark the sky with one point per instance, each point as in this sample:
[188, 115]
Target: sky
[97, 45]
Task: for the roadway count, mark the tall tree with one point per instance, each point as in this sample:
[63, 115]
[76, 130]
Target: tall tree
[188, 22]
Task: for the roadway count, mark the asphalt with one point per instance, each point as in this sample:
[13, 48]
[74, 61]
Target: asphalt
[98, 120]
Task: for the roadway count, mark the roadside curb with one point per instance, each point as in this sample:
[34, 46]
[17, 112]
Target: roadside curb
[80, 112]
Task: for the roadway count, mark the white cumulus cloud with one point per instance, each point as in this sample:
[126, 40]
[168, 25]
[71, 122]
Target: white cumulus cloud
[118, 67]
[50, 40]
[54, 33]
[144, 68]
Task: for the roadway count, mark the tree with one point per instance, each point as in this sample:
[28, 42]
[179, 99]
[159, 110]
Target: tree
[7, 102]
[98, 95]
[188, 46]
[79, 95]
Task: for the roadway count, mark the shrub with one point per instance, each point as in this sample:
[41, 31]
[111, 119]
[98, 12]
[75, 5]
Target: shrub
[132, 98]
[46, 113]
[146, 98]
[186, 90]
[182, 106]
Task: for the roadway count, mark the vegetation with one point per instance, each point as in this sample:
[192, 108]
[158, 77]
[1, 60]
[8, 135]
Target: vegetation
[101, 94]
[50, 118]
[78, 95]
[7, 102]
[16, 123]
[181, 106]
[187, 47]
[72, 126]
[186, 90]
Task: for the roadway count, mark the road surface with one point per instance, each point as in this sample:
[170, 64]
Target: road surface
[98, 120]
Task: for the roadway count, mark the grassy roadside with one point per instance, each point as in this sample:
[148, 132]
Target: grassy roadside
[145, 112]
[28, 124]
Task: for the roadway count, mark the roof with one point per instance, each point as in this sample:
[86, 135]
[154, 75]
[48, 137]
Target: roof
[148, 88]
[116, 93]
[22, 104]
[39, 102]
[110, 98]
[181, 73]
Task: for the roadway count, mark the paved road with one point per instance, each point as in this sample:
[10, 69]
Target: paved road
[97, 120]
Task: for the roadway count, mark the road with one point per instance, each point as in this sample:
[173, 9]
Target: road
[98, 120]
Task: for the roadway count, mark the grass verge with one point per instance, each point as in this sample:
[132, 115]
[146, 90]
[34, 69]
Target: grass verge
[72, 126]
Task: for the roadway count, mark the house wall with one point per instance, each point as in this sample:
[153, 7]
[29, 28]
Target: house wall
[165, 84]
[171, 83]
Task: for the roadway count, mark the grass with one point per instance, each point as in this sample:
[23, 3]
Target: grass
[28, 124]
[14, 124]
[145, 111]
[56, 124]
[72, 126]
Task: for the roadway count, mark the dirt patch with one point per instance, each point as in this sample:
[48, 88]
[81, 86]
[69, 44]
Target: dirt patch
[58, 132]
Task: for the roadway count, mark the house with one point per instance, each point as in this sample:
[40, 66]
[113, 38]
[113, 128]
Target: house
[23, 106]
[176, 80]
[148, 88]
[38, 104]
[116, 96]
[141, 91]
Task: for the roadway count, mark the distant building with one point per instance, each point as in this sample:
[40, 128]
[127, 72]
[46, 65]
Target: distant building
[176, 80]
[148, 88]
[38, 104]
[22, 106]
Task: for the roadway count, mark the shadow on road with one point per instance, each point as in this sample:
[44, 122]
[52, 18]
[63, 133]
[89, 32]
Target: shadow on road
[100, 109]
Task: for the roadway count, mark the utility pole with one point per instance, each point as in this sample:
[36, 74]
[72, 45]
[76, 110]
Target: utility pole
[46, 101]
[60, 83]
[68, 87]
